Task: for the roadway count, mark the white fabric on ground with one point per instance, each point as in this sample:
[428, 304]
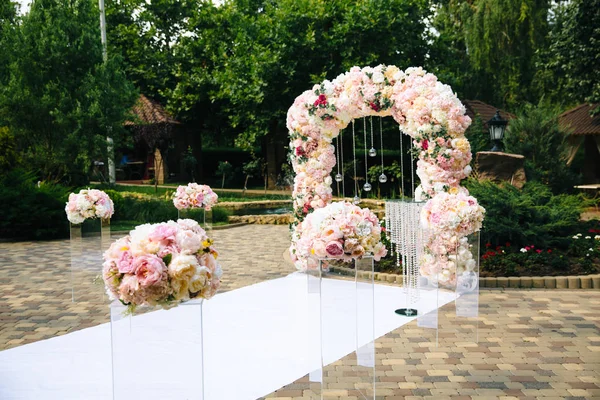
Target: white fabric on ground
[255, 342]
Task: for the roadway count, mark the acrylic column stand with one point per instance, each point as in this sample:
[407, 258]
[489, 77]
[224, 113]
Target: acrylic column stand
[157, 353]
[200, 215]
[88, 241]
[463, 286]
[324, 314]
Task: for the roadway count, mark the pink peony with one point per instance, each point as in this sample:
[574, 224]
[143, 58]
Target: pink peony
[125, 263]
[149, 270]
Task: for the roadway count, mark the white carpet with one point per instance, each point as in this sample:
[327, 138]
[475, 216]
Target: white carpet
[255, 342]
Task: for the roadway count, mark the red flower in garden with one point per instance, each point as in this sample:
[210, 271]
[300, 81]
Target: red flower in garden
[538, 251]
[507, 244]
[300, 151]
[374, 106]
[425, 144]
[549, 251]
[321, 101]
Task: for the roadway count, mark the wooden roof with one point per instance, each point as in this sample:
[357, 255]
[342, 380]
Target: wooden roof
[149, 112]
[579, 120]
[485, 111]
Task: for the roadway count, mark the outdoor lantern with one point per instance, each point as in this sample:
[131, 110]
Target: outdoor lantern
[497, 126]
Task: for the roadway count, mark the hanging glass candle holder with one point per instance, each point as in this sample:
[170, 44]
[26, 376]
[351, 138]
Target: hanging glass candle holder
[356, 200]
[367, 187]
[339, 177]
[382, 178]
[372, 152]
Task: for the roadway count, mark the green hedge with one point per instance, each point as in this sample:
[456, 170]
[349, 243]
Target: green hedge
[532, 215]
[29, 211]
[144, 209]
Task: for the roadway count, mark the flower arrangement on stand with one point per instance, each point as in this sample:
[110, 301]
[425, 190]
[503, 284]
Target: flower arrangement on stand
[449, 219]
[89, 203]
[340, 231]
[162, 265]
[194, 195]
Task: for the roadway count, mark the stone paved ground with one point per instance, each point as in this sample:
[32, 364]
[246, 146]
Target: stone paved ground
[532, 344]
[35, 280]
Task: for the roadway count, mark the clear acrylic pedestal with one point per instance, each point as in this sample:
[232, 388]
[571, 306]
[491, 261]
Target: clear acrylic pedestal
[88, 241]
[457, 275]
[330, 381]
[200, 215]
[157, 353]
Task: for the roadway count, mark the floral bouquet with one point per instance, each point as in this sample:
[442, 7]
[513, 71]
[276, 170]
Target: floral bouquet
[162, 264]
[89, 203]
[339, 231]
[449, 219]
[194, 196]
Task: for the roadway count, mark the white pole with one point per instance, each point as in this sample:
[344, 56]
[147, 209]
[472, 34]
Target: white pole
[112, 178]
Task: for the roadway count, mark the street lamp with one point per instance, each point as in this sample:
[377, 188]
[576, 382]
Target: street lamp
[497, 126]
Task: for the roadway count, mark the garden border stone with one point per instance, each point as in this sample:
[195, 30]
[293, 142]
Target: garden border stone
[524, 282]
[512, 282]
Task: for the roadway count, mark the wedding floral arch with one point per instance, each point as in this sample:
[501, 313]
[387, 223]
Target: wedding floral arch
[425, 109]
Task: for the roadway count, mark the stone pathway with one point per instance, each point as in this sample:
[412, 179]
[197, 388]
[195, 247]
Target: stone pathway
[35, 280]
[533, 344]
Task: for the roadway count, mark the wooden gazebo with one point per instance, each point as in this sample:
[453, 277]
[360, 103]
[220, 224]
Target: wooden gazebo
[585, 130]
[152, 128]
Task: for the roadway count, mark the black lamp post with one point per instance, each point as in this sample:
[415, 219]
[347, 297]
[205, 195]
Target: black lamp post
[497, 126]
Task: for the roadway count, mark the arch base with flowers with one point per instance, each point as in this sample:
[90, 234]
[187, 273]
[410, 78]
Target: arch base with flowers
[426, 110]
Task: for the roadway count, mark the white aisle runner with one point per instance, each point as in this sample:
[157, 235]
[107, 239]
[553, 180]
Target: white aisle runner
[255, 343]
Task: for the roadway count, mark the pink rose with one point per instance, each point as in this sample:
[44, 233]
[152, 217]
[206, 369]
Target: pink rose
[334, 249]
[149, 270]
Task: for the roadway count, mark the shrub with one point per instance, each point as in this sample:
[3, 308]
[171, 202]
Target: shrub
[530, 215]
[30, 211]
[143, 208]
[536, 134]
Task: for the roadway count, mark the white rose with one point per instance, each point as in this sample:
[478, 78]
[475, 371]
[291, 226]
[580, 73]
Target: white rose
[183, 267]
[378, 77]
[199, 280]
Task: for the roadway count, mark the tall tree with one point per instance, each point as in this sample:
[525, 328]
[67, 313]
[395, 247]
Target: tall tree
[146, 34]
[500, 39]
[61, 98]
[8, 24]
[274, 50]
[568, 70]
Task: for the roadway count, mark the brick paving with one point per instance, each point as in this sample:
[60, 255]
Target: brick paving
[35, 280]
[533, 344]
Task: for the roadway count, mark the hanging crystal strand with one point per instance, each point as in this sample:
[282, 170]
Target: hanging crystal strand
[338, 176]
[412, 170]
[382, 177]
[372, 151]
[367, 185]
[356, 199]
[401, 162]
